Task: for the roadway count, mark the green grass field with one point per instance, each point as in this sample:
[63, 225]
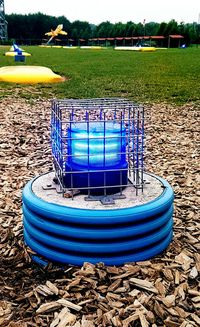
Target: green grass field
[170, 75]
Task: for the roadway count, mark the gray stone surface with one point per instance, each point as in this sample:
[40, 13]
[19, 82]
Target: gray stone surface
[152, 189]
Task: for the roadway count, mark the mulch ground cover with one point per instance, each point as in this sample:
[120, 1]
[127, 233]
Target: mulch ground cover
[164, 291]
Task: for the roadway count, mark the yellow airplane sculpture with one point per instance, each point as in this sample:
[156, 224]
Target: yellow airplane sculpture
[53, 33]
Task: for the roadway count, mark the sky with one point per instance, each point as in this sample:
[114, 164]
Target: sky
[98, 11]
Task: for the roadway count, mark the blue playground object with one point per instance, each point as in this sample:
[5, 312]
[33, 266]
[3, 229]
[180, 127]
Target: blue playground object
[19, 57]
[98, 156]
[69, 235]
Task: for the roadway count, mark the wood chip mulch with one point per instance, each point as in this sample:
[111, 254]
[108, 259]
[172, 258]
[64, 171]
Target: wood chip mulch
[164, 291]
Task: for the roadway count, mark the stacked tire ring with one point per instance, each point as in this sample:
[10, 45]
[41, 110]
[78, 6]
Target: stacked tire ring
[69, 235]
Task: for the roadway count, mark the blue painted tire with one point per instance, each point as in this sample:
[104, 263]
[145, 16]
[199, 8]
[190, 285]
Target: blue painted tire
[101, 247]
[95, 217]
[96, 232]
[64, 257]
[114, 236]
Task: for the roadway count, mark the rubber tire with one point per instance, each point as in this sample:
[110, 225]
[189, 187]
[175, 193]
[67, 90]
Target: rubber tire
[114, 236]
[96, 232]
[101, 247]
[94, 217]
[67, 258]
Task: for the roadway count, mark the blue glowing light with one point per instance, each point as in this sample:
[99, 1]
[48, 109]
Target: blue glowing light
[97, 144]
[96, 156]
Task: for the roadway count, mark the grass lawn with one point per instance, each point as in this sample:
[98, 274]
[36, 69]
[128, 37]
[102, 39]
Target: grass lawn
[170, 75]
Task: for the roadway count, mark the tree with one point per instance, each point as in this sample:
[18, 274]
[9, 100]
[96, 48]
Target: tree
[104, 29]
[34, 26]
[162, 29]
[172, 28]
[130, 29]
[151, 28]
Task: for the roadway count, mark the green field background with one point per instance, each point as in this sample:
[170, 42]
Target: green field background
[167, 75]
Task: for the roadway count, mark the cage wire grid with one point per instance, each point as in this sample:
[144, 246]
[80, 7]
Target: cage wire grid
[121, 112]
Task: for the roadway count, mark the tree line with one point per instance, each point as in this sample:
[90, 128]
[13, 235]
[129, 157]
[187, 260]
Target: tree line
[33, 27]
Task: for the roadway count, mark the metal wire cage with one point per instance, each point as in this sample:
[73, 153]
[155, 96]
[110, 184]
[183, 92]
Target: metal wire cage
[98, 145]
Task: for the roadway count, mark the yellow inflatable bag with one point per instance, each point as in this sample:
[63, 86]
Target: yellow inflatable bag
[13, 53]
[148, 49]
[28, 75]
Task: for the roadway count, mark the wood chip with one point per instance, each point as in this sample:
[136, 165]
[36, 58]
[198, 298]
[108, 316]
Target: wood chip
[86, 323]
[143, 321]
[126, 322]
[67, 319]
[69, 304]
[184, 260]
[47, 307]
[144, 284]
[195, 318]
[193, 273]
[160, 287]
[169, 301]
[52, 287]
[196, 299]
